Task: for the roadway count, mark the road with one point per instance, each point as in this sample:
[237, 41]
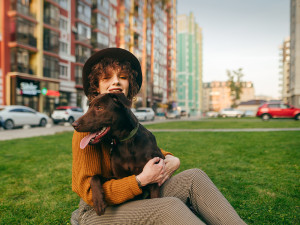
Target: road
[50, 129]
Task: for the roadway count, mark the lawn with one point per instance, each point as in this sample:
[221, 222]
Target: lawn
[258, 172]
[221, 123]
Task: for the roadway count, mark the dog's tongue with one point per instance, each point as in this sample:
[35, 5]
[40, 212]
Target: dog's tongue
[86, 140]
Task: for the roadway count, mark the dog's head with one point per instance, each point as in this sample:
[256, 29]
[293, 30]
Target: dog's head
[107, 113]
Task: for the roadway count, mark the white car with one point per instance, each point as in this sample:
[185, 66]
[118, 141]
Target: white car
[230, 112]
[144, 114]
[17, 115]
[66, 114]
[212, 114]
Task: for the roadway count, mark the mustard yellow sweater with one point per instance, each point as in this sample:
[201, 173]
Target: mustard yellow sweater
[95, 159]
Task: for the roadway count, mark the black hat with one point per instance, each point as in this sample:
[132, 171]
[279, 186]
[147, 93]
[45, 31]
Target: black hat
[120, 54]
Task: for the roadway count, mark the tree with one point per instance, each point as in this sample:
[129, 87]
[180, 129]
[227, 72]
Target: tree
[235, 85]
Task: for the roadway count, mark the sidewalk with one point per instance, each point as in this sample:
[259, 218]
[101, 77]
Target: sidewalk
[51, 130]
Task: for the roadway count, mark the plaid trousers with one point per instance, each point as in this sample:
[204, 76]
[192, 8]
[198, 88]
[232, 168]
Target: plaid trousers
[190, 189]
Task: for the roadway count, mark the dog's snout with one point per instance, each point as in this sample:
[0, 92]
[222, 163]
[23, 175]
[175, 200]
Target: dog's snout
[75, 124]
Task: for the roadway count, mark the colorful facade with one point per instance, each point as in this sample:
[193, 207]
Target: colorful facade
[44, 45]
[189, 64]
[294, 76]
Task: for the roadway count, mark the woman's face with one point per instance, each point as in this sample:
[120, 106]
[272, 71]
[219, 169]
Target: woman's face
[114, 81]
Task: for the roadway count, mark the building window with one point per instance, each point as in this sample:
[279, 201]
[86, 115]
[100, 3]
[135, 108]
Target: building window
[82, 53]
[19, 60]
[63, 71]
[84, 33]
[78, 75]
[51, 67]
[64, 4]
[63, 47]
[51, 42]
[84, 12]
[51, 14]
[63, 24]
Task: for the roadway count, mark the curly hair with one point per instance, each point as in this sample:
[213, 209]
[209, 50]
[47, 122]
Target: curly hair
[100, 69]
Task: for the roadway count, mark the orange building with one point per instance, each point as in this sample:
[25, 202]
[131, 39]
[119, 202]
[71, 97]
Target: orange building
[217, 95]
[44, 44]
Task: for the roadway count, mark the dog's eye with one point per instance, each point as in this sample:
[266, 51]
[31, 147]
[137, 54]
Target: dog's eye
[99, 108]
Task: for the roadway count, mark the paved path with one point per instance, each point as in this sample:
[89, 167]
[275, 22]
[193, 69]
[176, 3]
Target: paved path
[50, 130]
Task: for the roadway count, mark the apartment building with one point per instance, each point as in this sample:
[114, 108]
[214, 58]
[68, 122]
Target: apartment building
[216, 95]
[294, 77]
[284, 79]
[189, 64]
[44, 44]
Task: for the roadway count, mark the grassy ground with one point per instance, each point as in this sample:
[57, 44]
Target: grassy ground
[257, 172]
[220, 123]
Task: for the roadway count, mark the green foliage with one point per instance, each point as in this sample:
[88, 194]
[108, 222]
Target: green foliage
[258, 172]
[235, 85]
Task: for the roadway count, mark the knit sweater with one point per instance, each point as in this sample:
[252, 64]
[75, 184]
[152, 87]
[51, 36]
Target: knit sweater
[95, 159]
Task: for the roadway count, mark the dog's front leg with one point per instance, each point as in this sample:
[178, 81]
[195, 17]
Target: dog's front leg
[154, 190]
[98, 195]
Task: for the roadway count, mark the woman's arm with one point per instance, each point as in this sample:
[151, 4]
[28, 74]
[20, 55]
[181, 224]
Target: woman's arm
[96, 161]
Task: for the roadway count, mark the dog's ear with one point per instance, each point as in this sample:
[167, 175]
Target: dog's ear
[120, 98]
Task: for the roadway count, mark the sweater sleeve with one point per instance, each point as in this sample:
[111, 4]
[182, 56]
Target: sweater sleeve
[91, 161]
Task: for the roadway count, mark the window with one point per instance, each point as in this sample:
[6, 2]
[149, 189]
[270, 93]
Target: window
[63, 24]
[51, 14]
[82, 53]
[84, 12]
[64, 4]
[51, 42]
[63, 47]
[51, 67]
[63, 71]
[78, 75]
[84, 32]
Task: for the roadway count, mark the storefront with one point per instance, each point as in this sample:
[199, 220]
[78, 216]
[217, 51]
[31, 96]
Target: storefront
[41, 94]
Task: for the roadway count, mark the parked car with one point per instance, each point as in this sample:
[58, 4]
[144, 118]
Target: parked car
[277, 110]
[17, 115]
[249, 113]
[66, 114]
[184, 113]
[173, 114]
[230, 112]
[144, 113]
[212, 114]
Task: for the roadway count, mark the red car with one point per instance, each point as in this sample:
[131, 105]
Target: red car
[278, 110]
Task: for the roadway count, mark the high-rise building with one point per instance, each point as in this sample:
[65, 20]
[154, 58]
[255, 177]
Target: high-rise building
[44, 45]
[284, 53]
[189, 64]
[294, 79]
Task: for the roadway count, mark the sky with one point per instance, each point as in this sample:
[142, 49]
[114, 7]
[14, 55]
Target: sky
[242, 34]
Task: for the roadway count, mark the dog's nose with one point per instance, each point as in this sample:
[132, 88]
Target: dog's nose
[75, 124]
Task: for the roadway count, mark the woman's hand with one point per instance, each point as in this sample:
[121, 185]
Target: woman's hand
[158, 170]
[172, 163]
[153, 172]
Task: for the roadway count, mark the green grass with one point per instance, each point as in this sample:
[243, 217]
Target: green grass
[258, 172]
[220, 123]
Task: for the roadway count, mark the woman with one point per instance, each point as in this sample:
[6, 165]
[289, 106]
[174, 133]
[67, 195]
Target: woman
[117, 70]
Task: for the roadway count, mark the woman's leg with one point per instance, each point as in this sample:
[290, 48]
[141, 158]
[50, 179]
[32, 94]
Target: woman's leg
[168, 210]
[195, 188]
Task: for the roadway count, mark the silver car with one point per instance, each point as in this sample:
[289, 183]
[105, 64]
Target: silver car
[230, 112]
[17, 115]
[144, 113]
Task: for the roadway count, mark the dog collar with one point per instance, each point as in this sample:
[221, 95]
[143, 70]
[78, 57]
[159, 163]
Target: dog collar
[132, 133]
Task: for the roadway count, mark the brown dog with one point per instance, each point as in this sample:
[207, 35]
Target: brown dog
[109, 118]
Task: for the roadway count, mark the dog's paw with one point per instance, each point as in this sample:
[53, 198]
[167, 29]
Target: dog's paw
[99, 207]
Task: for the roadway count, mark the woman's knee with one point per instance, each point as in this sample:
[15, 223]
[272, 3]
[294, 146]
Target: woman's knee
[197, 173]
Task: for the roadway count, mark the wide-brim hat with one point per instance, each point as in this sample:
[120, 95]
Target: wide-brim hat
[120, 54]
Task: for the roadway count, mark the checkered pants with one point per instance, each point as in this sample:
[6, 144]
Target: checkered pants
[188, 189]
